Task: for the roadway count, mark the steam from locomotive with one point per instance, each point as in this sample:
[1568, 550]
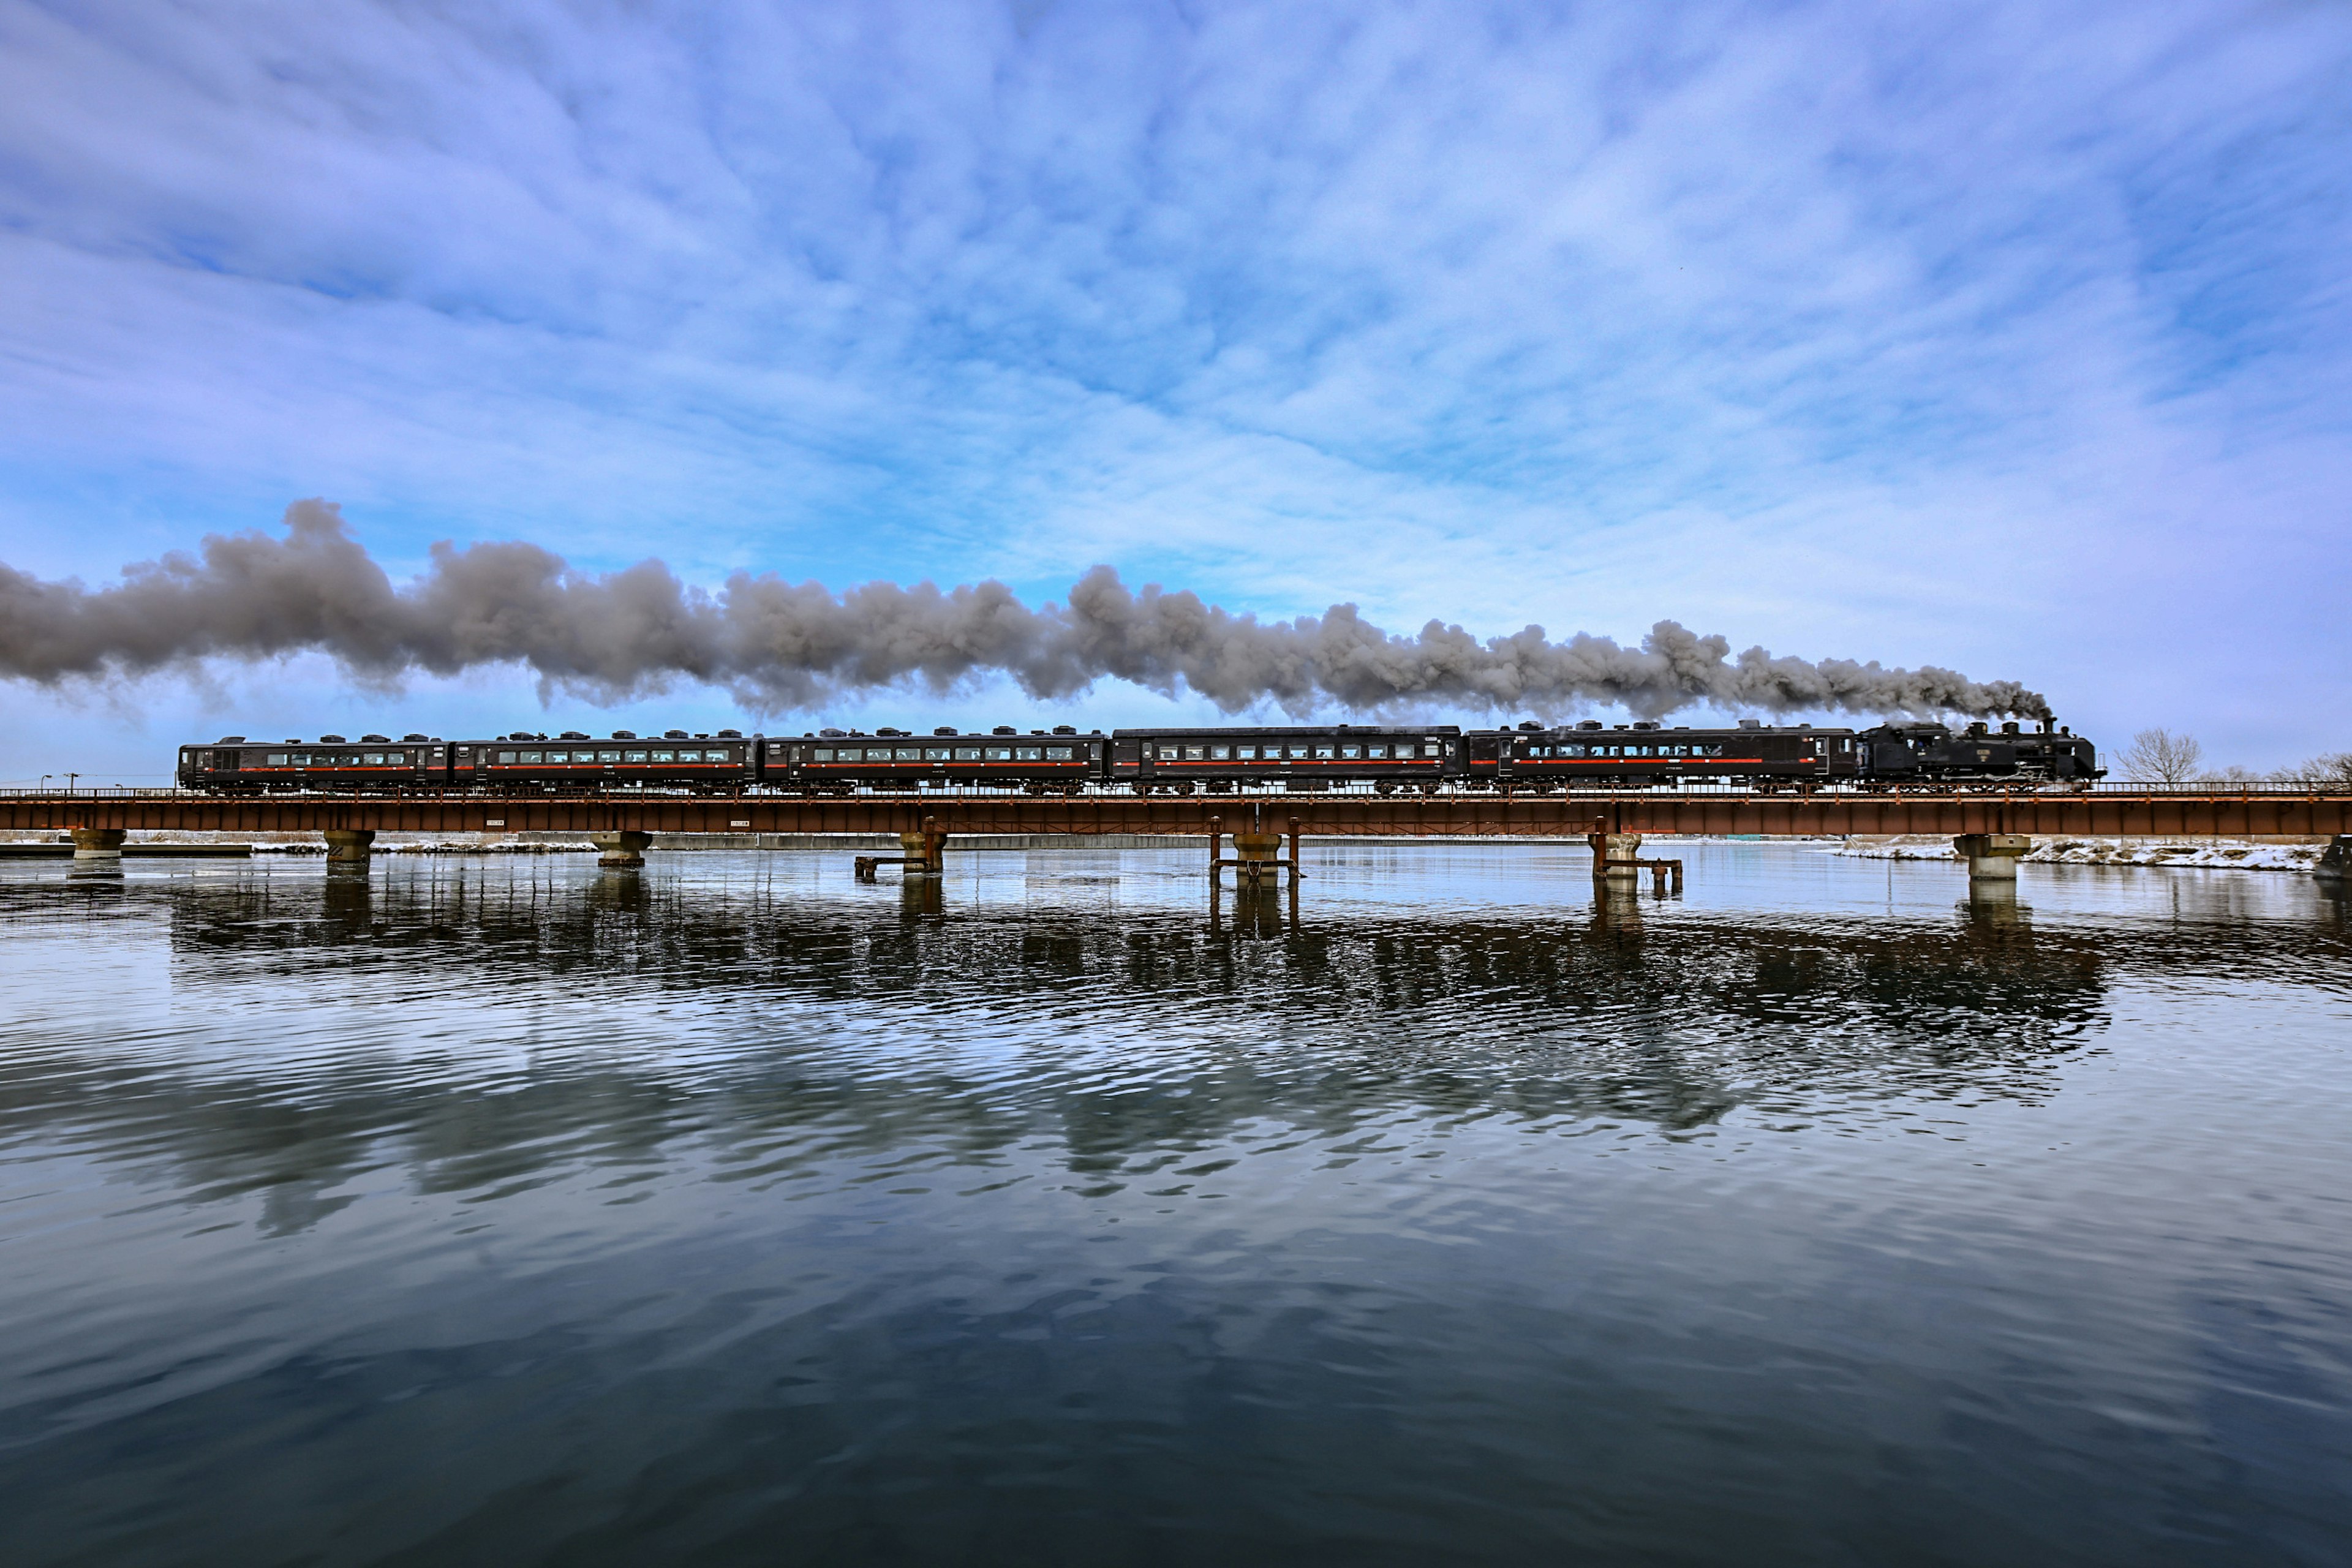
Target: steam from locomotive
[780, 646]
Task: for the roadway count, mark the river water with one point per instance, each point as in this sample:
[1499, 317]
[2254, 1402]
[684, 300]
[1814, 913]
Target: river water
[508, 1210]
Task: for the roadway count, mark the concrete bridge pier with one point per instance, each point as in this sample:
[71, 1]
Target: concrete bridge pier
[626, 848]
[349, 846]
[1613, 858]
[97, 843]
[1992, 857]
[2336, 863]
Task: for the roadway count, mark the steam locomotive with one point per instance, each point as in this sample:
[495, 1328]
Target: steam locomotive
[1389, 758]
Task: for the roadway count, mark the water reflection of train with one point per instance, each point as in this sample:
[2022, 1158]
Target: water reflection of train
[1389, 758]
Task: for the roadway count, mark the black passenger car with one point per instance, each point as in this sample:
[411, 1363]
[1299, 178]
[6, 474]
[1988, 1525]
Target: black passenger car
[373, 763]
[574, 764]
[1219, 762]
[1532, 758]
[837, 761]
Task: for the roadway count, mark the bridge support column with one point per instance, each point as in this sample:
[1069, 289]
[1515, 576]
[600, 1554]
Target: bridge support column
[97, 843]
[1613, 856]
[926, 851]
[2336, 863]
[349, 846]
[626, 848]
[1992, 857]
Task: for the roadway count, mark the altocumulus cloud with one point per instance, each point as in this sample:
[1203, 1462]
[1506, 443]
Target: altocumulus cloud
[1987, 336]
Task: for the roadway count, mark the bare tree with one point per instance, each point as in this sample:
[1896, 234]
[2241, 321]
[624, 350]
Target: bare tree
[2159, 756]
[2327, 768]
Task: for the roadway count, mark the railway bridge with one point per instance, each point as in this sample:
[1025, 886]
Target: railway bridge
[1990, 824]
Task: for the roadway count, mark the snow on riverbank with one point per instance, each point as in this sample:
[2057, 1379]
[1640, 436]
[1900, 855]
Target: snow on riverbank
[2196, 853]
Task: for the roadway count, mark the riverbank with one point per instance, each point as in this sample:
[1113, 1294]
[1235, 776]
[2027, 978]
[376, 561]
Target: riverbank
[2195, 854]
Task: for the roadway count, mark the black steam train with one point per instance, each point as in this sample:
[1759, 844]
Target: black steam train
[1389, 758]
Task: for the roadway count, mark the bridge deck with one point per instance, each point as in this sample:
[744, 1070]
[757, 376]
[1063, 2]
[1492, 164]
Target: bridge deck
[2106, 811]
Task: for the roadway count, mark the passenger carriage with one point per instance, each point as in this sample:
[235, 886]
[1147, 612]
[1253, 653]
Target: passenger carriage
[573, 763]
[835, 762]
[1532, 759]
[373, 763]
[1305, 758]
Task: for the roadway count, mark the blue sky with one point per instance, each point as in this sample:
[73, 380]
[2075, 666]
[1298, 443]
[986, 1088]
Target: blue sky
[2017, 339]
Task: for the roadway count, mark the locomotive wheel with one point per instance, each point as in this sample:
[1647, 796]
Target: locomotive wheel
[1384, 786]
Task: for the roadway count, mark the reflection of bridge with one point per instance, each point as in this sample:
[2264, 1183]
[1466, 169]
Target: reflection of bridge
[2099, 810]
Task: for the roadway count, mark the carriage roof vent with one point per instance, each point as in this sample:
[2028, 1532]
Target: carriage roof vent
[407, 738]
[730, 735]
[1066, 729]
[1751, 723]
[673, 735]
[1530, 724]
[374, 739]
[832, 734]
[291, 741]
[330, 740]
[1004, 730]
[233, 739]
[624, 735]
[887, 729]
[944, 730]
[1645, 724]
[1587, 724]
[572, 735]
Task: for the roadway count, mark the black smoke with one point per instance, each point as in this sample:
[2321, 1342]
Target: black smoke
[776, 646]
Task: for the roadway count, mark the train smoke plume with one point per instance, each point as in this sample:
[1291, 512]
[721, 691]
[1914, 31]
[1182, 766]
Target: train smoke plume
[778, 646]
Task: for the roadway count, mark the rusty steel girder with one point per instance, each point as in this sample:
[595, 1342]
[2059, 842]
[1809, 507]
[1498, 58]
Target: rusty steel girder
[2106, 813]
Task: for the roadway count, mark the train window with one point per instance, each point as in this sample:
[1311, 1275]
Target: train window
[967, 753]
[276, 758]
[1058, 754]
[821, 755]
[937, 753]
[1376, 753]
[1196, 753]
[1221, 753]
[1170, 753]
[608, 756]
[372, 759]
[999, 754]
[530, 756]
[1026, 754]
[632, 756]
[1246, 753]
[506, 756]
[1323, 754]
[1429, 749]
[664, 756]
[906, 754]
[686, 756]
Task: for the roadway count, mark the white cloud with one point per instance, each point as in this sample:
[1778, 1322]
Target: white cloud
[2009, 337]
